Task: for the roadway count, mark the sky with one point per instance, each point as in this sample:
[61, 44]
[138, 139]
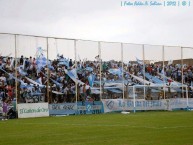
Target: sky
[100, 20]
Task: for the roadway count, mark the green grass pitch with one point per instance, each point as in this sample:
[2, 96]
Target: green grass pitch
[141, 128]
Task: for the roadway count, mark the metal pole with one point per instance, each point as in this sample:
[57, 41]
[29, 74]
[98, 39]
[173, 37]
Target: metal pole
[182, 63]
[163, 57]
[16, 87]
[123, 77]
[100, 62]
[187, 97]
[143, 70]
[122, 71]
[56, 43]
[86, 40]
[76, 70]
[48, 72]
[134, 99]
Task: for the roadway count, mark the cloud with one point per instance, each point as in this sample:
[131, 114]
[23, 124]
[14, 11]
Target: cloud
[98, 20]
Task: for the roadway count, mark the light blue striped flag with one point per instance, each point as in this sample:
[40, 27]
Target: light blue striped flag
[41, 62]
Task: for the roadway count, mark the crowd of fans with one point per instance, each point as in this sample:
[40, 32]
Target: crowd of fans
[60, 87]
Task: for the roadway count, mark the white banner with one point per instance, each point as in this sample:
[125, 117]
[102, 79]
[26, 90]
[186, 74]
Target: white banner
[181, 103]
[128, 104]
[190, 103]
[178, 103]
[33, 110]
[140, 104]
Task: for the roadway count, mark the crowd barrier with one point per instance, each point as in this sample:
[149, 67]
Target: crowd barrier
[28, 110]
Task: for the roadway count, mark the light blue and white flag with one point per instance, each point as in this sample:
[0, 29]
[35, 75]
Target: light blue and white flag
[11, 76]
[41, 62]
[24, 61]
[90, 69]
[50, 67]
[54, 81]
[139, 61]
[64, 61]
[39, 52]
[91, 79]
[21, 71]
[170, 62]
[39, 80]
[12, 62]
[73, 73]
[34, 82]
[115, 71]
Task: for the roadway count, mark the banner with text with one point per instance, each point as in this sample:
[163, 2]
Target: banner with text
[62, 108]
[90, 107]
[111, 105]
[28, 110]
[73, 108]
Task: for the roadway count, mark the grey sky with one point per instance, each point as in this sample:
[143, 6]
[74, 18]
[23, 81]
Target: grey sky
[102, 20]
